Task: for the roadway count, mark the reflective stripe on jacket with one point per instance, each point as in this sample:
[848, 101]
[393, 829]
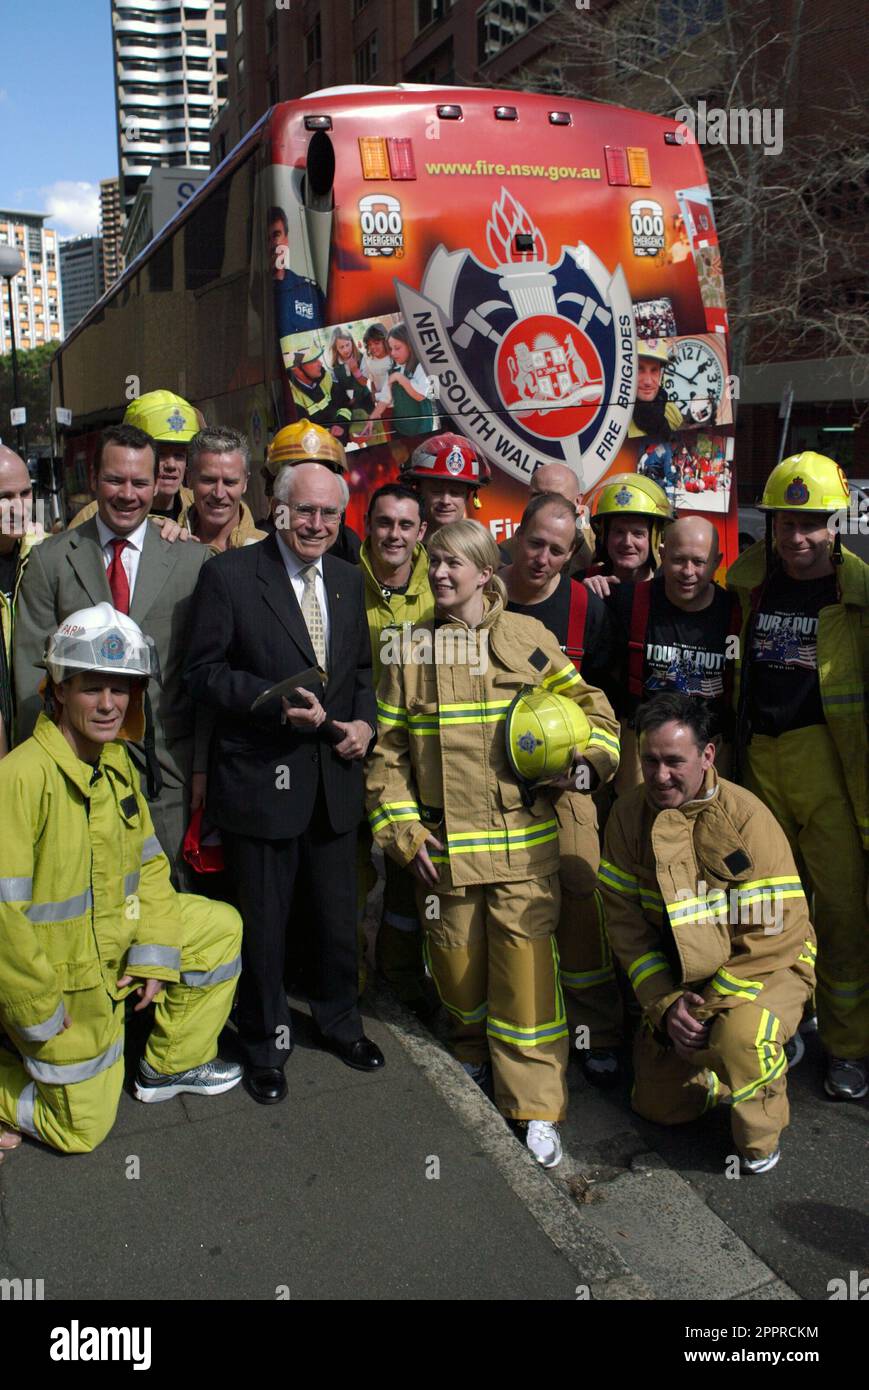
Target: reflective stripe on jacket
[85, 894]
[706, 894]
[414, 606]
[440, 762]
[843, 665]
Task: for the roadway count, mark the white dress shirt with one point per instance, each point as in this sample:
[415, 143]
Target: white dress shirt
[294, 567]
[131, 553]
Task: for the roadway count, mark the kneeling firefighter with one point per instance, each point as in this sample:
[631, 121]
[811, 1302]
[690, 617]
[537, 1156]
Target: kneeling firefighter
[88, 914]
[444, 797]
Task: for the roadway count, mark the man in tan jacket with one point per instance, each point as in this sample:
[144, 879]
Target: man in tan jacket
[707, 914]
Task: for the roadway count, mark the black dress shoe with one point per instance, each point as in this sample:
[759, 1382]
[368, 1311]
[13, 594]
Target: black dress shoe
[362, 1054]
[267, 1085]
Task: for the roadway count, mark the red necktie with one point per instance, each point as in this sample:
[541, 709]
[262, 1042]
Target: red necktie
[118, 581]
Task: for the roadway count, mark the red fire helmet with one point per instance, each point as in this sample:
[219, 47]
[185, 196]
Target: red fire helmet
[448, 456]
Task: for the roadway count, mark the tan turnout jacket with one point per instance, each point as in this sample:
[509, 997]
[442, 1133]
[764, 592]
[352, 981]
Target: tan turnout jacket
[440, 763]
[706, 895]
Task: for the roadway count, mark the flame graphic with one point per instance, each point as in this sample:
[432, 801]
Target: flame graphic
[508, 218]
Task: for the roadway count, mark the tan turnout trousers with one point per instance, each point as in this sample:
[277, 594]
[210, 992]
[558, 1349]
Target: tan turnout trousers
[492, 953]
[744, 1066]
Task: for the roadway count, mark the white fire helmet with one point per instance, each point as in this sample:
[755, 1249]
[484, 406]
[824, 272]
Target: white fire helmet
[101, 640]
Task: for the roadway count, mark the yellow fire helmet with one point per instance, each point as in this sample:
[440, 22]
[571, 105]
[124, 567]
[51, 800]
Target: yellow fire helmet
[806, 482]
[164, 416]
[306, 442]
[631, 494]
[543, 731]
[654, 348]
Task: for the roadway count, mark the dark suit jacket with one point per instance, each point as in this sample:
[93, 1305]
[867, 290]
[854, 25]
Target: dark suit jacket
[66, 573]
[247, 633]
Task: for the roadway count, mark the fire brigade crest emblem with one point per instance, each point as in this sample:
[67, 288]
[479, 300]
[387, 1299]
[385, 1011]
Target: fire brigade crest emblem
[455, 462]
[532, 357]
[623, 497]
[528, 743]
[112, 648]
[175, 421]
[796, 493]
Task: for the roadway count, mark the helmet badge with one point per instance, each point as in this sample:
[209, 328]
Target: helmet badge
[113, 647]
[455, 461]
[623, 497]
[528, 743]
[175, 421]
[796, 492]
[311, 442]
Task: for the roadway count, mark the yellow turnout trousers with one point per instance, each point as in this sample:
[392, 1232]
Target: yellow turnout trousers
[492, 954]
[799, 776]
[587, 971]
[743, 1065]
[66, 1091]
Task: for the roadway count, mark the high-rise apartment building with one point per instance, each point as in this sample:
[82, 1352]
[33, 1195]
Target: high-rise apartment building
[81, 277]
[170, 57]
[111, 231]
[37, 301]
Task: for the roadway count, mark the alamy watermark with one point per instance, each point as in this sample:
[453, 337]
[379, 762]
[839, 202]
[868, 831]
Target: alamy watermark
[738, 125]
[442, 646]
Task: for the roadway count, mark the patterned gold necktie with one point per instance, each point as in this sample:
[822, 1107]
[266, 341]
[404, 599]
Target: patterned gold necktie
[313, 614]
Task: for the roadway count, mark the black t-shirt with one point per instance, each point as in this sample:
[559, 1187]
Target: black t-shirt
[174, 510]
[685, 652]
[784, 692]
[554, 613]
[8, 566]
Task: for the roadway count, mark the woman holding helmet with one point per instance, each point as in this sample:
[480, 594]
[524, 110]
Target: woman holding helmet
[461, 800]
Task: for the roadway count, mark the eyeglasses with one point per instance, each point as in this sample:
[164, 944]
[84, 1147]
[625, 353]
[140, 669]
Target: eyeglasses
[308, 512]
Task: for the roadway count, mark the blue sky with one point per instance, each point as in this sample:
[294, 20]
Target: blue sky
[57, 109]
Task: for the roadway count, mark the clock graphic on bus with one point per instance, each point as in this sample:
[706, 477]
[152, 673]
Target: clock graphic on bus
[694, 380]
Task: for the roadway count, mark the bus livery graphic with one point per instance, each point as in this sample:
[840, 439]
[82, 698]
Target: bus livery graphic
[552, 344]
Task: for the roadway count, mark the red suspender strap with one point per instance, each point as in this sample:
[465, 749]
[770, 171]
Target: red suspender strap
[575, 648]
[642, 603]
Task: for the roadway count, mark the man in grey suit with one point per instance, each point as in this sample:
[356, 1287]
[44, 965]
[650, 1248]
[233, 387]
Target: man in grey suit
[119, 556]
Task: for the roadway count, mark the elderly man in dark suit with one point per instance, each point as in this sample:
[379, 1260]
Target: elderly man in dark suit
[285, 798]
[120, 557]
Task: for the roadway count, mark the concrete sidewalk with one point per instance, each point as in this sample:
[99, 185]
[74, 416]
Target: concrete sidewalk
[406, 1184]
[331, 1194]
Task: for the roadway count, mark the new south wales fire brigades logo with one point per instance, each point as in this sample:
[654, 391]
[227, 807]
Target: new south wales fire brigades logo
[532, 360]
[113, 647]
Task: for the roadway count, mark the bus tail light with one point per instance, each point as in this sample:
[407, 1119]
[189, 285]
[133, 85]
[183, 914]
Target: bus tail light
[638, 166]
[372, 152]
[616, 164]
[401, 162]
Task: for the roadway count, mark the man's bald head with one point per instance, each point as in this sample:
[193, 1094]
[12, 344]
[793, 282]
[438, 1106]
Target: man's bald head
[16, 497]
[690, 556]
[558, 478]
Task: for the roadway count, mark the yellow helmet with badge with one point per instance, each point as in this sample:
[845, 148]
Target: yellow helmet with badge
[806, 482]
[543, 732]
[630, 494]
[656, 349]
[305, 442]
[164, 416]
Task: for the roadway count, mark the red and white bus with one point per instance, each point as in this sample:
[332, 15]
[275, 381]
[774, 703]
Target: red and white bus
[518, 253]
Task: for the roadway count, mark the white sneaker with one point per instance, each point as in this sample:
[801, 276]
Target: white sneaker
[760, 1165]
[210, 1079]
[544, 1142]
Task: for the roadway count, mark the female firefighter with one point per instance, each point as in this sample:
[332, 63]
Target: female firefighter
[443, 797]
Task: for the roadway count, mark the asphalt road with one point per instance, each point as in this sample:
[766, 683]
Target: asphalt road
[808, 1219]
